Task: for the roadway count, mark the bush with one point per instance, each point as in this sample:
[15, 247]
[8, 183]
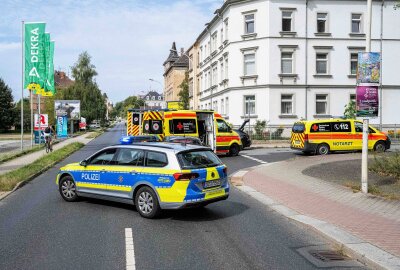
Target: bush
[389, 166]
[260, 127]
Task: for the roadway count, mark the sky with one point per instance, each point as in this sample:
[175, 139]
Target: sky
[128, 40]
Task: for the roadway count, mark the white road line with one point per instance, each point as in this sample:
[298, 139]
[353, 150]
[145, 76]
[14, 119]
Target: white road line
[130, 251]
[255, 159]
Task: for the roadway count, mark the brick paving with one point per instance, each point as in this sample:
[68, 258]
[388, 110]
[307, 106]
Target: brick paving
[372, 219]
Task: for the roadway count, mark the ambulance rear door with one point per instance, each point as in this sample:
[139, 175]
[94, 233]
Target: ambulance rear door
[206, 129]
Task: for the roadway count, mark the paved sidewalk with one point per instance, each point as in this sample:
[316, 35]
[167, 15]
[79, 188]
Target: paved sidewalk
[30, 158]
[374, 220]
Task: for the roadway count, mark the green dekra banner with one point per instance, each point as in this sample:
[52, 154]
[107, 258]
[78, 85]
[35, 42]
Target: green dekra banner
[48, 86]
[35, 62]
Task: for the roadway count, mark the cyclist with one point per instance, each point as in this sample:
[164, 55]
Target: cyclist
[48, 134]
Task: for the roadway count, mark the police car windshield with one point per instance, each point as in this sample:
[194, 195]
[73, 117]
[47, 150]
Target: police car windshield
[198, 159]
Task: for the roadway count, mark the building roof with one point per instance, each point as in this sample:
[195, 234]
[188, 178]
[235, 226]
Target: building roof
[61, 80]
[152, 94]
[173, 54]
[183, 61]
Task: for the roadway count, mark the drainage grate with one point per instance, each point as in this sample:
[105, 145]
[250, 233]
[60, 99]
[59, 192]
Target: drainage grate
[328, 255]
[325, 256]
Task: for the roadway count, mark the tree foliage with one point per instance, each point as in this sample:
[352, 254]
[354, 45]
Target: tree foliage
[120, 109]
[350, 111]
[184, 93]
[27, 115]
[85, 89]
[7, 113]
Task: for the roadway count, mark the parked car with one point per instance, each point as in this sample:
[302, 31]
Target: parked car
[244, 137]
[183, 140]
[138, 139]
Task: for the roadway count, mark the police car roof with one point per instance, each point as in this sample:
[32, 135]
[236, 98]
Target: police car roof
[164, 145]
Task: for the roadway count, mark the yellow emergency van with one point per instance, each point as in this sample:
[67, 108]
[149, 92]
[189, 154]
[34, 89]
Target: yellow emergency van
[209, 126]
[328, 135]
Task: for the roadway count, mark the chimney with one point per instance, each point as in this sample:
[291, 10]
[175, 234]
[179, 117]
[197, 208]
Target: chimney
[182, 51]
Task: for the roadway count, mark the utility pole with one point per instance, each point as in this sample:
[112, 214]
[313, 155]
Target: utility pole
[364, 162]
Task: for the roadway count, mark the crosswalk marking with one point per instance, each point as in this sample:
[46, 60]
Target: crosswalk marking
[255, 159]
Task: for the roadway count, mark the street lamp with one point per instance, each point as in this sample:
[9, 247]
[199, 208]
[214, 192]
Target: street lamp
[163, 94]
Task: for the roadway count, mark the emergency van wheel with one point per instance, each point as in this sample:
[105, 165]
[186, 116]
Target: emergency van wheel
[146, 202]
[68, 189]
[234, 150]
[380, 147]
[323, 149]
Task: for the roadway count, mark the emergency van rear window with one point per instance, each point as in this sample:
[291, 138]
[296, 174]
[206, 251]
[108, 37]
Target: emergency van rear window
[198, 159]
[183, 126]
[298, 128]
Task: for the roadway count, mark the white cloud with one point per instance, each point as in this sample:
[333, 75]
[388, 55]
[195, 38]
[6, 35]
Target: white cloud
[128, 41]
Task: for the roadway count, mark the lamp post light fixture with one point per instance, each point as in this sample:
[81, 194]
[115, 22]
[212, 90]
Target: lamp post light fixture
[163, 93]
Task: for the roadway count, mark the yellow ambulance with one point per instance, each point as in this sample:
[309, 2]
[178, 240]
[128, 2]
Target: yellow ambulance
[209, 126]
[329, 135]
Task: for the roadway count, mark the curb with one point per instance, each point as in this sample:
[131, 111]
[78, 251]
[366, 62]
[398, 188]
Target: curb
[359, 249]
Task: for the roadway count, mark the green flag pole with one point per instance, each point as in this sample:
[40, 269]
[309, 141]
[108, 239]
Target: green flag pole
[22, 88]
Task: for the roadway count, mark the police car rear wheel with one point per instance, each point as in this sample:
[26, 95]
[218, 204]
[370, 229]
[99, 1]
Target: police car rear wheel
[68, 189]
[147, 203]
[323, 149]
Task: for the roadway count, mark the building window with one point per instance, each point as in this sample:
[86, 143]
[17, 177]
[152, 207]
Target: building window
[249, 23]
[250, 64]
[222, 36]
[322, 63]
[287, 62]
[222, 106]
[287, 104]
[321, 104]
[214, 42]
[227, 106]
[226, 29]
[353, 97]
[356, 23]
[201, 53]
[215, 73]
[353, 63]
[215, 106]
[287, 21]
[250, 105]
[322, 22]
[226, 68]
[209, 79]
[222, 71]
[205, 81]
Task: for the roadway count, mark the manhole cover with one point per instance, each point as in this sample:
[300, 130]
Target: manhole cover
[326, 256]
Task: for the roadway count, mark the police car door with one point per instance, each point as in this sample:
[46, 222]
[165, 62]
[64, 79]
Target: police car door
[123, 176]
[93, 178]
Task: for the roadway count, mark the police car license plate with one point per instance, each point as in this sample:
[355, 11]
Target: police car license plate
[212, 183]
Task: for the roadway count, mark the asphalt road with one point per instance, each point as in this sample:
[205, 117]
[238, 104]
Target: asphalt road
[39, 230]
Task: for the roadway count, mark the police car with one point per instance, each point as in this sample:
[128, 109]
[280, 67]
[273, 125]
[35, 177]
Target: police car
[153, 176]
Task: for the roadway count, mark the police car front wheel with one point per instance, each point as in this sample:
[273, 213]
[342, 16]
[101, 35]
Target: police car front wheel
[68, 189]
[146, 203]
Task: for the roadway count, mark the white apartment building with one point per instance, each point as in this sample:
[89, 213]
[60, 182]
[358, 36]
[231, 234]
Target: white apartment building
[286, 60]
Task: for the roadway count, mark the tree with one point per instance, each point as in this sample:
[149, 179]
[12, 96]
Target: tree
[27, 115]
[184, 93]
[397, 5]
[85, 89]
[7, 113]
[350, 111]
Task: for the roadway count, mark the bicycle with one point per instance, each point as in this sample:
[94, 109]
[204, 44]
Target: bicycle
[47, 144]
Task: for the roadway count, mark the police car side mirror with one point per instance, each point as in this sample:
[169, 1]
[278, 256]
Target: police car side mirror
[83, 163]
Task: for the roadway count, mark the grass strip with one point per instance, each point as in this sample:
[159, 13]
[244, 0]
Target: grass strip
[9, 180]
[95, 134]
[388, 165]
[8, 157]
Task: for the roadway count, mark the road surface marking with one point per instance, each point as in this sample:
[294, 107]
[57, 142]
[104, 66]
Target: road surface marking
[255, 159]
[130, 251]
